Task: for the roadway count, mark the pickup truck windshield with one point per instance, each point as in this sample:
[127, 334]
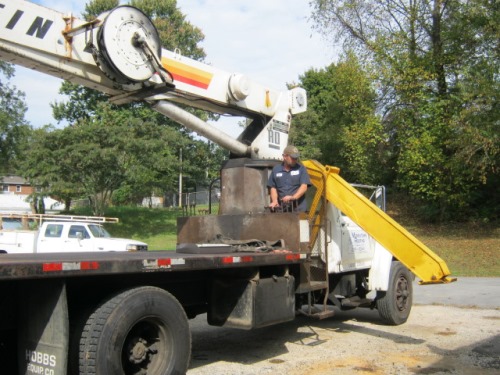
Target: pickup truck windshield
[98, 231]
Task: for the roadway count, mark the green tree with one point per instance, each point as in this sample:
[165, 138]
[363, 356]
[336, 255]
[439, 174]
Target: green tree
[341, 127]
[203, 161]
[44, 166]
[150, 160]
[58, 160]
[112, 151]
[13, 127]
[174, 30]
[437, 71]
[146, 173]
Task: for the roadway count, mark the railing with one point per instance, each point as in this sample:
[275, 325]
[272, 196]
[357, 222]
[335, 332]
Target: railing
[40, 218]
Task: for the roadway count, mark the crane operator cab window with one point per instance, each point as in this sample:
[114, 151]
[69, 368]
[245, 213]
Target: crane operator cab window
[78, 231]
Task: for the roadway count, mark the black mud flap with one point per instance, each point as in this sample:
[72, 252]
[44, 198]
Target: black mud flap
[44, 328]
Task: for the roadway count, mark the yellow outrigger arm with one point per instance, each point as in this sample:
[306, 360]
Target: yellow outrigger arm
[417, 257]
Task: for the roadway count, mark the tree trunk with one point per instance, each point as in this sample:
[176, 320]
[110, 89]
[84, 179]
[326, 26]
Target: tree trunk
[437, 48]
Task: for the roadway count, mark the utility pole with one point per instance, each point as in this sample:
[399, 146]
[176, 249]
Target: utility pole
[180, 178]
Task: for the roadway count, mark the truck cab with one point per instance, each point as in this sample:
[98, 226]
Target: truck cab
[62, 234]
[55, 237]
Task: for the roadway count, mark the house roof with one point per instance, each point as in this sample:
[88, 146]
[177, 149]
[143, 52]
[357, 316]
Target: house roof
[13, 180]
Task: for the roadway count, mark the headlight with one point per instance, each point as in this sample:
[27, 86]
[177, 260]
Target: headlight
[135, 247]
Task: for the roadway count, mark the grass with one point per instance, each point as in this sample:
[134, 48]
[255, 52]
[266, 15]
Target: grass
[155, 226]
[468, 249]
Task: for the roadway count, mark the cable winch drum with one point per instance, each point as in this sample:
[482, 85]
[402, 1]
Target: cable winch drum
[125, 60]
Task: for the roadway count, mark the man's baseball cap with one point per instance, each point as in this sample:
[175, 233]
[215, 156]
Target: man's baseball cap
[291, 151]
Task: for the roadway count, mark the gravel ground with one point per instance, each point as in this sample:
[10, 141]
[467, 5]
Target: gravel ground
[436, 339]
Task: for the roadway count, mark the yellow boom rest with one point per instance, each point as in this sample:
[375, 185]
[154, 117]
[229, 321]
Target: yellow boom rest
[417, 257]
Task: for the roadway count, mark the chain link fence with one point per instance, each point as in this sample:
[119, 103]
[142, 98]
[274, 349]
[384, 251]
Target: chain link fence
[200, 202]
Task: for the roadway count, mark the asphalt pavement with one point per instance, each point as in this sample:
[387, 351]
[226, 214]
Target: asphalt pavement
[479, 292]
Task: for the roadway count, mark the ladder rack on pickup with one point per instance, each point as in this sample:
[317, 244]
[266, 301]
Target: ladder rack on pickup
[40, 218]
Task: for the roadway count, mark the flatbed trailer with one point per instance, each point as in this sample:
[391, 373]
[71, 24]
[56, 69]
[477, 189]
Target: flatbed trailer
[57, 265]
[48, 323]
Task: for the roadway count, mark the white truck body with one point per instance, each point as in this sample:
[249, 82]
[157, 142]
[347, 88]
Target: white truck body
[62, 237]
[350, 249]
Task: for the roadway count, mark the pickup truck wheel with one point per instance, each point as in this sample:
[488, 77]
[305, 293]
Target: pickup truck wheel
[394, 306]
[139, 331]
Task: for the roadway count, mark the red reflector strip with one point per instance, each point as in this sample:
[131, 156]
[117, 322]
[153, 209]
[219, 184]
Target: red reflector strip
[70, 266]
[231, 260]
[295, 256]
[164, 262]
[50, 267]
[153, 264]
[89, 266]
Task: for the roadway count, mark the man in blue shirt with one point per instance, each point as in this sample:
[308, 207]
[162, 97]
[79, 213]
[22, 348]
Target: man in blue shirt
[288, 182]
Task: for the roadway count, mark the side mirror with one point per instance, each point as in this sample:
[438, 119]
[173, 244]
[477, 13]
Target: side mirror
[380, 197]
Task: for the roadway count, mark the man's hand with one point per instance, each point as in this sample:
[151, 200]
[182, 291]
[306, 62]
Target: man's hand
[288, 199]
[274, 205]
[274, 198]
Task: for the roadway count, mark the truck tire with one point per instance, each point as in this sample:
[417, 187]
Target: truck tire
[394, 306]
[142, 330]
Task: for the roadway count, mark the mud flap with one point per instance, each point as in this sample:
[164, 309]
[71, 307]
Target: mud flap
[44, 328]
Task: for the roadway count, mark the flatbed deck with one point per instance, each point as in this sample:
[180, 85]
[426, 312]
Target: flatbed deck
[34, 266]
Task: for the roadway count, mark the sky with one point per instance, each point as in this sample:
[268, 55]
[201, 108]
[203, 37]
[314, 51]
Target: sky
[269, 41]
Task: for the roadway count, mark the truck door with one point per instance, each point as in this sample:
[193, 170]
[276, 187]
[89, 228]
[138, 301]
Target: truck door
[50, 240]
[78, 239]
[356, 245]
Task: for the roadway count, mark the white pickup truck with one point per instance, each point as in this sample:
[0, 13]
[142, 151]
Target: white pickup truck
[65, 235]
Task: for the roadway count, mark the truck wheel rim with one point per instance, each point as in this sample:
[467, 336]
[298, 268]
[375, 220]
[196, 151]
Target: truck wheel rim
[147, 347]
[402, 293]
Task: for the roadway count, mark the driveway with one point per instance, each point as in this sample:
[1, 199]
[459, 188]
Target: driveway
[479, 292]
[452, 329]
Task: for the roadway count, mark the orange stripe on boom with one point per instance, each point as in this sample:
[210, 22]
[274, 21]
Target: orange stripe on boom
[187, 74]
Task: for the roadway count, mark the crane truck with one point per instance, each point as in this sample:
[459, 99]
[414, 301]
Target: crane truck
[128, 313]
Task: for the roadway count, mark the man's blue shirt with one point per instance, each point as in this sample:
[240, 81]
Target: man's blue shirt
[288, 182]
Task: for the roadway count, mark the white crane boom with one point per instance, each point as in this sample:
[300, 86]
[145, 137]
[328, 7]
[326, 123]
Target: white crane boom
[119, 54]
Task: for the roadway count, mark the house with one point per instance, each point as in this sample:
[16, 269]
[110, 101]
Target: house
[15, 185]
[14, 196]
